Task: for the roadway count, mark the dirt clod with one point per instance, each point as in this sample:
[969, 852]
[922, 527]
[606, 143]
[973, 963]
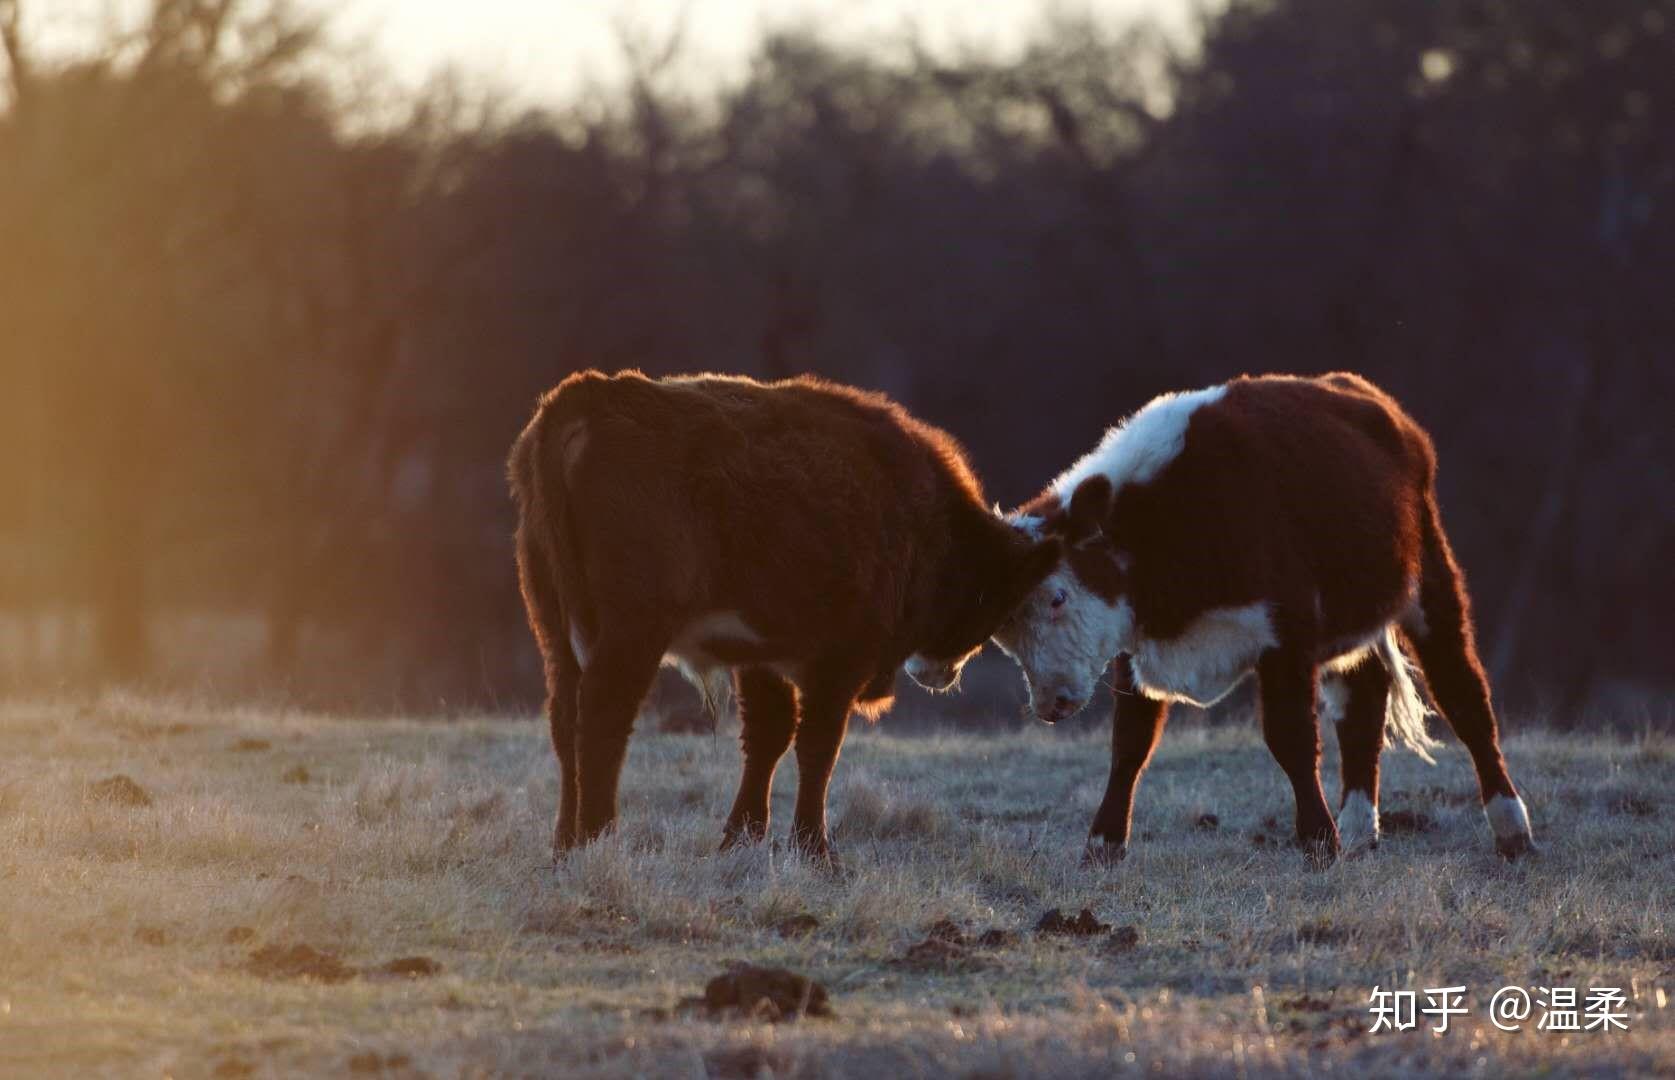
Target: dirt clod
[935, 954]
[238, 935]
[1083, 924]
[410, 967]
[764, 993]
[1305, 1003]
[151, 935]
[1207, 823]
[799, 925]
[1123, 939]
[947, 930]
[119, 790]
[371, 1062]
[299, 961]
[1322, 932]
[1397, 822]
[996, 938]
[296, 774]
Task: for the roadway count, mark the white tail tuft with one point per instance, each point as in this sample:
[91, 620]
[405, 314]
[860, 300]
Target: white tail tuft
[1404, 716]
[715, 686]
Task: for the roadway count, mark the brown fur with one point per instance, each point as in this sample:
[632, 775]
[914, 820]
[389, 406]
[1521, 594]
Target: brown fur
[843, 533]
[1315, 496]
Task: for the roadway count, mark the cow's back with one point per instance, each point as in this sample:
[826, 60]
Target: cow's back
[1317, 481]
[720, 494]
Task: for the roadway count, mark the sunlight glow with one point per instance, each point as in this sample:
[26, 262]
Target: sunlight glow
[548, 51]
[551, 49]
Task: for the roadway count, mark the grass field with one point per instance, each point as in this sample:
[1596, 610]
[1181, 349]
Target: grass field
[151, 929]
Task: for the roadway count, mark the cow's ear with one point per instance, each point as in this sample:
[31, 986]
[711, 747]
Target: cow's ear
[1090, 505]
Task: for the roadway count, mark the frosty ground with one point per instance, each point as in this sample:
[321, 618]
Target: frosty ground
[191, 891]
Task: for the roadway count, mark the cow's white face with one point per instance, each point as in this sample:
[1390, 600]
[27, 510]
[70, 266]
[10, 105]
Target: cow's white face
[1064, 636]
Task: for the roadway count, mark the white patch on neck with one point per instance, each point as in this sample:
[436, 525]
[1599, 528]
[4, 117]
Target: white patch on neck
[1357, 823]
[1207, 660]
[1140, 447]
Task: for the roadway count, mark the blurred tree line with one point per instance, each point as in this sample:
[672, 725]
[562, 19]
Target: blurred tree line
[263, 355]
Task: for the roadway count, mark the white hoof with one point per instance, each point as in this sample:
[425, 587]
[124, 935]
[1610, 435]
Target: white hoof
[1357, 824]
[1510, 820]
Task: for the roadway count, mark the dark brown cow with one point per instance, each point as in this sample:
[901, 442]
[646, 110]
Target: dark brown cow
[803, 539]
[1279, 525]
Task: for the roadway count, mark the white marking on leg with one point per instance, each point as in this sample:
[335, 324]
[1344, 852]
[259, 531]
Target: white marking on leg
[1510, 820]
[1358, 823]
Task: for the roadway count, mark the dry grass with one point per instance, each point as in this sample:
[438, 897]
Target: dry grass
[415, 839]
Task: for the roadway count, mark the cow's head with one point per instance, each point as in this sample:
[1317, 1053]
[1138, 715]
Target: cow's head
[995, 569]
[1068, 628]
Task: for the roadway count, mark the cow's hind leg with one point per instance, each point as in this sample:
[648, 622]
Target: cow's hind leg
[768, 715]
[563, 683]
[613, 684]
[546, 618]
[1136, 723]
[1293, 735]
[1357, 700]
[1441, 637]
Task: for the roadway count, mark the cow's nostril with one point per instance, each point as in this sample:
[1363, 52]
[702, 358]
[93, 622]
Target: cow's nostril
[1062, 703]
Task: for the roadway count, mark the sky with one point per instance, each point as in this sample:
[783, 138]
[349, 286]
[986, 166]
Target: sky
[544, 51]
[550, 47]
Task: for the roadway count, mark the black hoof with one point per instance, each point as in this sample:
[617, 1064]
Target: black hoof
[1321, 853]
[737, 838]
[1103, 853]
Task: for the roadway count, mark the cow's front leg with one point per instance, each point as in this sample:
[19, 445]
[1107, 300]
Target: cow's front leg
[820, 732]
[1293, 735]
[1136, 723]
[768, 718]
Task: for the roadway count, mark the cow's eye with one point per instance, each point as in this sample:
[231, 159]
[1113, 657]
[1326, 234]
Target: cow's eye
[1059, 598]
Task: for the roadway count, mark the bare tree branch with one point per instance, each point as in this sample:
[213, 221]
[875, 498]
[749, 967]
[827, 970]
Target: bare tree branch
[17, 59]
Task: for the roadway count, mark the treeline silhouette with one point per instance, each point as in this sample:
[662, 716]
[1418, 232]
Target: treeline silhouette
[262, 353]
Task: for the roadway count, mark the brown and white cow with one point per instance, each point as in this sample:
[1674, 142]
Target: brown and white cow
[801, 539]
[1277, 525]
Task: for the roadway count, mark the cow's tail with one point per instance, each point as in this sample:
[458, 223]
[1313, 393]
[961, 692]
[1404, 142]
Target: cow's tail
[715, 689]
[546, 549]
[1405, 712]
